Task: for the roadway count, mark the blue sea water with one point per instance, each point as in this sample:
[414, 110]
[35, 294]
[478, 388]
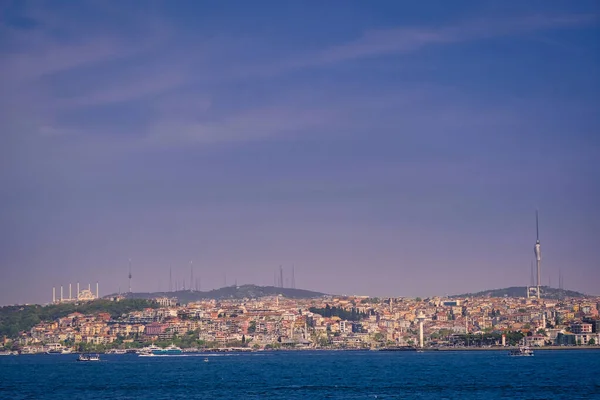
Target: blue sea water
[563, 374]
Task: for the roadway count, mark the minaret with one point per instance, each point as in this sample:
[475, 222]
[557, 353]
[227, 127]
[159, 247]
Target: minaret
[170, 279]
[543, 320]
[130, 275]
[421, 318]
[61, 293]
[70, 298]
[97, 291]
[54, 295]
[77, 291]
[537, 249]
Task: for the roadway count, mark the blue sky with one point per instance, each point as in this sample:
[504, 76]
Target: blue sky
[386, 148]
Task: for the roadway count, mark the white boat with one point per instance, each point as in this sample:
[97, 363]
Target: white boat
[88, 357]
[116, 351]
[8, 353]
[154, 350]
[521, 351]
[169, 350]
[149, 349]
[60, 351]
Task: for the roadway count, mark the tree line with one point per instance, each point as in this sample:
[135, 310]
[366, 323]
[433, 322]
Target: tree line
[15, 319]
[348, 315]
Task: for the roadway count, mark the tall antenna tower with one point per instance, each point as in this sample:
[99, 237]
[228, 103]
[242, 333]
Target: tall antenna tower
[537, 249]
[532, 279]
[293, 279]
[130, 275]
[191, 277]
[280, 276]
[560, 280]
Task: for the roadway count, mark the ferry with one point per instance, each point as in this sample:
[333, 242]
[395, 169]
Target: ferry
[59, 351]
[148, 350]
[154, 350]
[521, 351]
[88, 357]
[117, 351]
[169, 350]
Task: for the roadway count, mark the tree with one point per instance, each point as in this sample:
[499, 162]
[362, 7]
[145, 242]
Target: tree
[592, 342]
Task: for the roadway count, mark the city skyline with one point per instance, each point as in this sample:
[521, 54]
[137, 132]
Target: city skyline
[397, 150]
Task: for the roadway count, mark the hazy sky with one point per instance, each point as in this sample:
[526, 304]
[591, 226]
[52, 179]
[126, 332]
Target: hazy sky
[383, 148]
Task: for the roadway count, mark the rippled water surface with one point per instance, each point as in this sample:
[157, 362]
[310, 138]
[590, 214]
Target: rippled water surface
[306, 375]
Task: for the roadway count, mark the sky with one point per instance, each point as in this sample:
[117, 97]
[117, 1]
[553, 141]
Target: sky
[389, 148]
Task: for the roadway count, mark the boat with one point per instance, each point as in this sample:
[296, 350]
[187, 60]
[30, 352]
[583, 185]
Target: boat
[148, 350]
[398, 348]
[88, 357]
[169, 350]
[116, 351]
[8, 353]
[154, 350]
[59, 351]
[521, 351]
[206, 360]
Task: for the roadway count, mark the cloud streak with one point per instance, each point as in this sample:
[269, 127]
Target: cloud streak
[402, 40]
[41, 55]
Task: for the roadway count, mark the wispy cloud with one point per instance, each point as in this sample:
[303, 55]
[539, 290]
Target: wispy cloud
[99, 63]
[402, 40]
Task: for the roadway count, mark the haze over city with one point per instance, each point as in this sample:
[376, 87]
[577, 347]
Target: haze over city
[388, 150]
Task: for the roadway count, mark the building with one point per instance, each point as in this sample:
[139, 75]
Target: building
[581, 328]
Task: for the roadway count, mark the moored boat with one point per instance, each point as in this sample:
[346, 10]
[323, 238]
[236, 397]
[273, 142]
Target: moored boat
[60, 351]
[116, 351]
[521, 351]
[88, 357]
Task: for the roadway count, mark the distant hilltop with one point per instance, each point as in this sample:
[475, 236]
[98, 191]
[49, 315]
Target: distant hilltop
[521, 291]
[229, 292]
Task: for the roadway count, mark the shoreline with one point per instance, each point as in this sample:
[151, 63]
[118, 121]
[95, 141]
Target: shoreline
[544, 348]
[425, 349]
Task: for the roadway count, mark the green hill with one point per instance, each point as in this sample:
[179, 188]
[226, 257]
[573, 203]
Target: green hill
[14, 319]
[230, 292]
[521, 291]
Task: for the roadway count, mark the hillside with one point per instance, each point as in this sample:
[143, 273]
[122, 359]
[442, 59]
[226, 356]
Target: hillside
[230, 292]
[521, 291]
[14, 319]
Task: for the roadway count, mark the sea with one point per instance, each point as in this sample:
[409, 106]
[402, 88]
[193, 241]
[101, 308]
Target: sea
[558, 374]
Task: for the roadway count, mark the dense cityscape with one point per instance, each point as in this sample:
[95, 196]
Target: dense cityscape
[327, 322]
